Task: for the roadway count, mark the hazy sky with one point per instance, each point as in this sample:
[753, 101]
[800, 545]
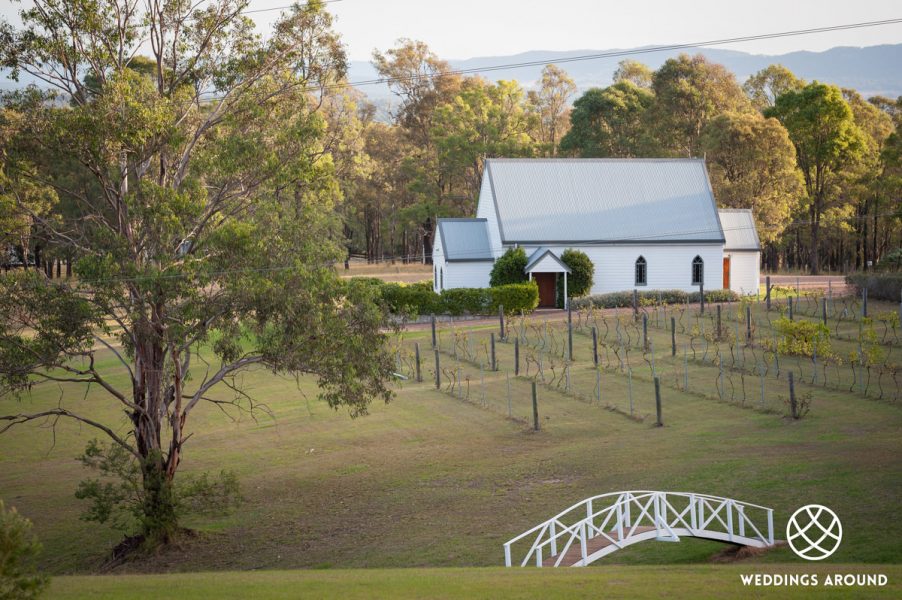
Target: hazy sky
[467, 28]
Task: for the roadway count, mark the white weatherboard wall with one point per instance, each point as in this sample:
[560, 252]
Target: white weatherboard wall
[456, 274]
[438, 262]
[744, 271]
[669, 266]
[486, 210]
[467, 274]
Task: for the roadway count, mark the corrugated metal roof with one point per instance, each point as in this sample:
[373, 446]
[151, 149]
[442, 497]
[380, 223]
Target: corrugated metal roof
[739, 229]
[465, 239]
[549, 201]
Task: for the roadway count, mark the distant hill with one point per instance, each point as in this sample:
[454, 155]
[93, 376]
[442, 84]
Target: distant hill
[872, 70]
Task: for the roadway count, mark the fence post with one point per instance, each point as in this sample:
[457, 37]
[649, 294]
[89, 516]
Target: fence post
[501, 320]
[767, 292]
[594, 346]
[629, 379]
[419, 373]
[660, 422]
[569, 333]
[516, 356]
[719, 336]
[824, 310]
[672, 336]
[792, 397]
[635, 301]
[864, 302]
[597, 384]
[492, 343]
[434, 345]
[748, 323]
[790, 308]
[509, 407]
[535, 407]
[645, 332]
[438, 373]
[701, 295]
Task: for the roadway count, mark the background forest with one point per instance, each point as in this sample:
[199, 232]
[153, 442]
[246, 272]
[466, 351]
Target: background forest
[819, 165]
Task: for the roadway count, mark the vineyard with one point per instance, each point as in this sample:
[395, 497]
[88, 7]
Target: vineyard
[776, 360]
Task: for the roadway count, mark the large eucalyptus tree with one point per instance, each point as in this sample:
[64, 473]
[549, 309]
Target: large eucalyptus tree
[207, 239]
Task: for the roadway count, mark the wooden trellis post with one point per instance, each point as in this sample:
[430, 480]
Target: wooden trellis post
[594, 346]
[416, 347]
[535, 407]
[494, 364]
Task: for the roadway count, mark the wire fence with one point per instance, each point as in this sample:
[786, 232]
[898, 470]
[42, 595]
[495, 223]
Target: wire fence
[730, 353]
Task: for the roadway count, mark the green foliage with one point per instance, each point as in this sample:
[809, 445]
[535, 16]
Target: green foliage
[801, 338]
[610, 122]
[891, 261]
[509, 268]
[417, 299]
[689, 92]
[466, 301]
[125, 498]
[411, 300]
[582, 272]
[515, 297]
[19, 549]
[650, 298]
[880, 286]
[751, 162]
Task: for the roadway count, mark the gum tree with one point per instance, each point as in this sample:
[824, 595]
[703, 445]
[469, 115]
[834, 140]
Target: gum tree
[208, 239]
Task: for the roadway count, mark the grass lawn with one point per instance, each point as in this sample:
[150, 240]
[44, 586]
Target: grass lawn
[609, 582]
[430, 480]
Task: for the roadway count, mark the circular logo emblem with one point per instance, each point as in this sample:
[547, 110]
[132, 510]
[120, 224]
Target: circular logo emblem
[814, 532]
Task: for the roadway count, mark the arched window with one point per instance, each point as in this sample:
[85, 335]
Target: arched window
[641, 271]
[698, 270]
[435, 281]
[441, 278]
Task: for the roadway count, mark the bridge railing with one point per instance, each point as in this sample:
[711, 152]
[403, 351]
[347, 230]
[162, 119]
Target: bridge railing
[623, 518]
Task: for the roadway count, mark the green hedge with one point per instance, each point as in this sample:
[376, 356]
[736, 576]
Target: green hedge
[515, 297]
[415, 299]
[880, 286]
[650, 297]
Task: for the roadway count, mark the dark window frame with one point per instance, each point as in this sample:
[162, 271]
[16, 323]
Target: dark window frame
[698, 270]
[640, 272]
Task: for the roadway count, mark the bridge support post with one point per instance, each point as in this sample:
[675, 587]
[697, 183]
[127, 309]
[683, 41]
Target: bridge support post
[693, 517]
[729, 504]
[770, 527]
[553, 539]
[740, 514]
[507, 555]
[582, 543]
[589, 517]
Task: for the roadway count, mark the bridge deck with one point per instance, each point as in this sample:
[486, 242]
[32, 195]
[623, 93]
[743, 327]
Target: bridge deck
[574, 554]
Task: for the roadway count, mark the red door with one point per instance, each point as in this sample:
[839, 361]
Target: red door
[726, 272]
[547, 288]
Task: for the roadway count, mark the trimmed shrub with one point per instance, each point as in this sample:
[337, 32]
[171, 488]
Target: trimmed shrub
[509, 268]
[515, 297]
[466, 301]
[411, 299]
[882, 286]
[582, 276]
[650, 298]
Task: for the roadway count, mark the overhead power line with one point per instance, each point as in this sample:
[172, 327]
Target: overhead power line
[634, 51]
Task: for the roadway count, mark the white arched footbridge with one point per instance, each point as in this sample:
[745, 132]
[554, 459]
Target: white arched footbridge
[603, 524]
